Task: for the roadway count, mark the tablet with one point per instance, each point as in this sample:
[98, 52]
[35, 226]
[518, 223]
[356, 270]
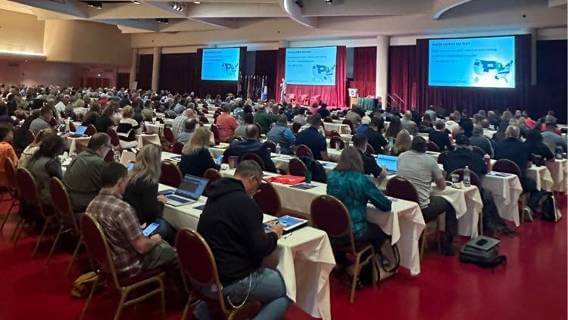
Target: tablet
[149, 230]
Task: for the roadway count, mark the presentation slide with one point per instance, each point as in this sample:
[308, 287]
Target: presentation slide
[472, 62]
[220, 64]
[311, 66]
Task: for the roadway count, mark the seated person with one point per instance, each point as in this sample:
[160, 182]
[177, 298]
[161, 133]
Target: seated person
[131, 251]
[402, 143]
[375, 136]
[195, 156]
[551, 136]
[189, 127]
[282, 135]
[44, 165]
[127, 127]
[354, 189]
[440, 136]
[142, 191]
[313, 139]
[82, 179]
[537, 148]
[7, 152]
[251, 145]
[370, 165]
[240, 132]
[362, 129]
[43, 121]
[231, 223]
[226, 123]
[463, 156]
[421, 170]
[105, 122]
[511, 148]
[477, 139]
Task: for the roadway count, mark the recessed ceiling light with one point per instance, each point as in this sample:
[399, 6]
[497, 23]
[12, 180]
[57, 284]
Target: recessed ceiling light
[197, 2]
[136, 2]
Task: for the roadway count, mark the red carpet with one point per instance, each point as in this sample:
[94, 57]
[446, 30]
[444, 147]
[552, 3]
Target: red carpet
[531, 286]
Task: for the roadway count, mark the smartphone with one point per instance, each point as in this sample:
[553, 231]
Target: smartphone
[130, 166]
[219, 159]
[149, 230]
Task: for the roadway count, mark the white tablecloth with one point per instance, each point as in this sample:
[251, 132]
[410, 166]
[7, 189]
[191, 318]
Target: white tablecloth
[468, 206]
[148, 138]
[75, 142]
[559, 172]
[505, 189]
[339, 127]
[541, 175]
[154, 128]
[303, 257]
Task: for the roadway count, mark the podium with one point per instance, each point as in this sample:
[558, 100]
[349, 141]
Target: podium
[353, 96]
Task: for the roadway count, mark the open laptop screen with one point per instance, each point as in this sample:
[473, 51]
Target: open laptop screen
[192, 187]
[80, 130]
[389, 162]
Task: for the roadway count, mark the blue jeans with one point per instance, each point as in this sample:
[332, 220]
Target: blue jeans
[264, 285]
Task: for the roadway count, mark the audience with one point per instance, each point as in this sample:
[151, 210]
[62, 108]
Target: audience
[362, 129]
[33, 147]
[370, 165]
[421, 170]
[82, 179]
[463, 156]
[105, 122]
[43, 121]
[313, 139]
[353, 116]
[251, 145]
[226, 124]
[511, 148]
[407, 123]
[189, 128]
[44, 164]
[282, 135]
[7, 153]
[440, 136]
[232, 225]
[477, 139]
[402, 143]
[178, 125]
[375, 137]
[195, 158]
[264, 118]
[539, 151]
[550, 137]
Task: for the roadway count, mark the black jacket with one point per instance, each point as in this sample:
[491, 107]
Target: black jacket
[370, 165]
[376, 140]
[441, 139]
[143, 197]
[240, 148]
[196, 163]
[231, 223]
[462, 157]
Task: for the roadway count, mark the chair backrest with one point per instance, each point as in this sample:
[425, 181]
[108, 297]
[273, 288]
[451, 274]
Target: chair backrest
[254, 157]
[61, 203]
[109, 156]
[177, 148]
[72, 127]
[267, 199]
[171, 175]
[478, 150]
[29, 137]
[370, 149]
[215, 132]
[114, 140]
[399, 187]
[507, 166]
[212, 175]
[27, 187]
[10, 172]
[303, 151]
[348, 122]
[297, 167]
[334, 133]
[198, 264]
[296, 127]
[169, 135]
[442, 157]
[473, 177]
[271, 145]
[335, 142]
[330, 215]
[97, 246]
[432, 146]
[91, 130]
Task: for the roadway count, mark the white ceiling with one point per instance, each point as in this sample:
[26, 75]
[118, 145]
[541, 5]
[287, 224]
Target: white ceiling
[211, 15]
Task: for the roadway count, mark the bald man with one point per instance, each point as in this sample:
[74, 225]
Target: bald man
[251, 145]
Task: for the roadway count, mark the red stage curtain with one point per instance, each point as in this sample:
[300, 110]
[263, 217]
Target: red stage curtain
[334, 96]
[402, 75]
[364, 70]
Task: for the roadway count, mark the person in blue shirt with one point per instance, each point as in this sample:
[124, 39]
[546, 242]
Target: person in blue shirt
[282, 135]
[313, 139]
[354, 189]
[362, 129]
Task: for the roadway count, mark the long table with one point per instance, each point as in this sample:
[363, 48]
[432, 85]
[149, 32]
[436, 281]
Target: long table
[304, 258]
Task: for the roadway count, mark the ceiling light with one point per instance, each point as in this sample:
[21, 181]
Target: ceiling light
[196, 2]
[328, 1]
[176, 6]
[136, 2]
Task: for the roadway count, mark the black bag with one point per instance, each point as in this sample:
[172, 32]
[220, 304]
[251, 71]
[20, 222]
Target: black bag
[543, 202]
[482, 251]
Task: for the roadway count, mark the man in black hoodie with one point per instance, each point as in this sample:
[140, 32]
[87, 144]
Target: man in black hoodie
[231, 223]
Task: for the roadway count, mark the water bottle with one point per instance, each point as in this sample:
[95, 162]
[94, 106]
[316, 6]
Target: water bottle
[466, 177]
[278, 148]
[559, 152]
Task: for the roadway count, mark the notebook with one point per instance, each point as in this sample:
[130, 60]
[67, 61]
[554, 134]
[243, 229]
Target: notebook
[389, 162]
[190, 189]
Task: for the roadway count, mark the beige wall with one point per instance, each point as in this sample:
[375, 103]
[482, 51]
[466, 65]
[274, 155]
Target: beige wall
[20, 32]
[39, 72]
[86, 42]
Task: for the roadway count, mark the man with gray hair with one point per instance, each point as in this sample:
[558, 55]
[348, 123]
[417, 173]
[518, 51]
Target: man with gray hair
[479, 140]
[549, 136]
[511, 148]
[178, 126]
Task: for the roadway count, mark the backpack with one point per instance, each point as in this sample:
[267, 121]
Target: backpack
[544, 202]
[482, 251]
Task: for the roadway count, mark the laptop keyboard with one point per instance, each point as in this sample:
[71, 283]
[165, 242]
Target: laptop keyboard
[178, 199]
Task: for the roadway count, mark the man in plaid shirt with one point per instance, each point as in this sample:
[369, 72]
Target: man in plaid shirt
[131, 251]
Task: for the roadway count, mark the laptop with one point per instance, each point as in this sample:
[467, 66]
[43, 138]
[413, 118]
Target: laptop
[190, 189]
[80, 131]
[389, 162]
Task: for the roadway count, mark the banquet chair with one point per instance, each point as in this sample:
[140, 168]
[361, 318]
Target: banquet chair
[268, 200]
[336, 142]
[114, 140]
[475, 181]
[432, 146]
[27, 188]
[171, 175]
[11, 189]
[91, 130]
[330, 215]
[100, 255]
[349, 123]
[177, 147]
[398, 187]
[199, 269]
[215, 132]
[508, 166]
[254, 157]
[334, 133]
[478, 150]
[442, 157]
[67, 220]
[109, 156]
[271, 145]
[203, 119]
[72, 126]
[169, 136]
[303, 151]
[297, 167]
[212, 175]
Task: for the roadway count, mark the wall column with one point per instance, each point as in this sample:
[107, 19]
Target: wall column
[534, 40]
[156, 68]
[381, 79]
[133, 67]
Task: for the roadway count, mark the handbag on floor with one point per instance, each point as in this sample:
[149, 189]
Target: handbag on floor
[82, 285]
[482, 251]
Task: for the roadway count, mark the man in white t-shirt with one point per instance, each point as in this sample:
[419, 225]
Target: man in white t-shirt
[421, 170]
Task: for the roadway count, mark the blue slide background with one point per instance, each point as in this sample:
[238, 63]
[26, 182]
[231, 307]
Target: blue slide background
[311, 66]
[220, 64]
[472, 62]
